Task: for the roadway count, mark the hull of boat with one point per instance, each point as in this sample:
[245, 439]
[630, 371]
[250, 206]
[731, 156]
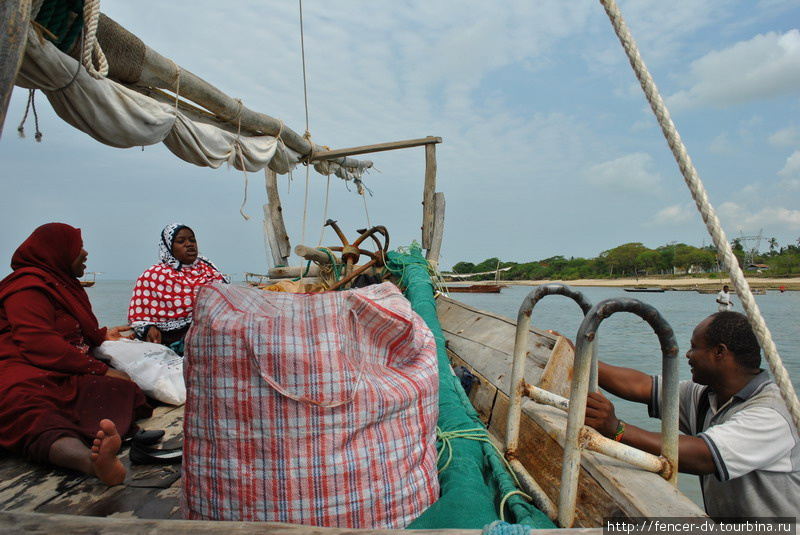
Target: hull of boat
[481, 341]
[484, 343]
[475, 288]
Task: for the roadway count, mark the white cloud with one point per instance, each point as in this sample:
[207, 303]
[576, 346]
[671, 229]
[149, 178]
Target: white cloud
[721, 144]
[631, 172]
[675, 214]
[790, 173]
[785, 137]
[766, 66]
[741, 217]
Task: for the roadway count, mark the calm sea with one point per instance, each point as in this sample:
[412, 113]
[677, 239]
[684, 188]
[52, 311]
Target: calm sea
[623, 339]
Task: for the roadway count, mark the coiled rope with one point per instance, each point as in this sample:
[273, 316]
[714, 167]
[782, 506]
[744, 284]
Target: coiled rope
[707, 211]
[91, 48]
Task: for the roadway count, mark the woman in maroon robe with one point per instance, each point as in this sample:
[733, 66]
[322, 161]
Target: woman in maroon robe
[58, 404]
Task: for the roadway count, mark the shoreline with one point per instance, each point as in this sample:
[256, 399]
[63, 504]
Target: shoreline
[683, 283]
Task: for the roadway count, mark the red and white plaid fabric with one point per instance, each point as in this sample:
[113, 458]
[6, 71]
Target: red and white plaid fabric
[317, 409]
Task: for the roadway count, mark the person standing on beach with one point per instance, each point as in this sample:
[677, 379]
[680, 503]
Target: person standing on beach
[724, 299]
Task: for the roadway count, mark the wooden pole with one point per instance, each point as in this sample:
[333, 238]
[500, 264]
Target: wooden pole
[275, 216]
[14, 17]
[427, 196]
[272, 239]
[380, 147]
[438, 230]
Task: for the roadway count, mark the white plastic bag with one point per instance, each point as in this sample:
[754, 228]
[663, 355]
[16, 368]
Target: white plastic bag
[157, 369]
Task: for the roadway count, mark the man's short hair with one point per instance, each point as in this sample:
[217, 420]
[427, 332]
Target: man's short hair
[734, 330]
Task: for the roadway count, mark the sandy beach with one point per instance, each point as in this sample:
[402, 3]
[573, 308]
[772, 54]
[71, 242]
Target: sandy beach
[791, 283]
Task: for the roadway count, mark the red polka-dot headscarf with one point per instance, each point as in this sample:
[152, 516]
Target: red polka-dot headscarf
[164, 294]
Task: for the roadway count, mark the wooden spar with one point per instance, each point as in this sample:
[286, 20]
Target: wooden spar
[161, 72]
[291, 272]
[380, 147]
[310, 253]
[14, 17]
[272, 239]
[438, 230]
[427, 196]
[276, 217]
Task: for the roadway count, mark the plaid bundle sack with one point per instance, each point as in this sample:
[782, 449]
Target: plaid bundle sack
[317, 409]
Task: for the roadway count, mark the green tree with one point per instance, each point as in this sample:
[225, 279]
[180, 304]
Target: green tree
[623, 257]
[462, 268]
[773, 244]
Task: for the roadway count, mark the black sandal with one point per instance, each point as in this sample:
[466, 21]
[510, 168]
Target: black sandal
[141, 454]
[145, 438]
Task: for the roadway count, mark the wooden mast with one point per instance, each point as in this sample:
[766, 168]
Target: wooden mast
[14, 17]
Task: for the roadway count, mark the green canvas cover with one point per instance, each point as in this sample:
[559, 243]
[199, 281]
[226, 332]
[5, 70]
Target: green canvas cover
[475, 480]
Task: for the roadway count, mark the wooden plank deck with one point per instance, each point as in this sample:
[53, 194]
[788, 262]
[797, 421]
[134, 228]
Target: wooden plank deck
[149, 491]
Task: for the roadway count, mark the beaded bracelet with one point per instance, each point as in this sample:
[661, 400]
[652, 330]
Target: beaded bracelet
[620, 431]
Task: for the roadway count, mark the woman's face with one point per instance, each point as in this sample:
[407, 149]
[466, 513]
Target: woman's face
[78, 266]
[184, 248]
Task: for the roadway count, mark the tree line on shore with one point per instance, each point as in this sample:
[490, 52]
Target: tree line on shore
[634, 259]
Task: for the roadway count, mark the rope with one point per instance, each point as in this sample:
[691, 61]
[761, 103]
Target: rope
[91, 17]
[329, 274]
[707, 211]
[178, 93]
[501, 527]
[239, 150]
[366, 211]
[303, 56]
[325, 214]
[31, 105]
[478, 434]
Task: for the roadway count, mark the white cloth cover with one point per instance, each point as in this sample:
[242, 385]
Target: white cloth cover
[117, 116]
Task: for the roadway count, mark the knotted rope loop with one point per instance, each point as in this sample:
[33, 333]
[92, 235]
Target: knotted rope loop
[91, 48]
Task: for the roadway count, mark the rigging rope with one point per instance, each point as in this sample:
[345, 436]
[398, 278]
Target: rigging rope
[307, 135]
[325, 214]
[707, 211]
[91, 17]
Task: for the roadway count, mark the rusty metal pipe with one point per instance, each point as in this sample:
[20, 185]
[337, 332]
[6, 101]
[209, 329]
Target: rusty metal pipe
[584, 357]
[521, 350]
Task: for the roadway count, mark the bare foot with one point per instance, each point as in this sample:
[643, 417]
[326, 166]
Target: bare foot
[107, 467]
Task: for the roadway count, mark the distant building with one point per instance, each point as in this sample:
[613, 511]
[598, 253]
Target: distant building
[757, 267]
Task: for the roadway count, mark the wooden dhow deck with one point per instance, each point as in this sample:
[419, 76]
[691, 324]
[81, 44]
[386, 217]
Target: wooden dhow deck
[149, 491]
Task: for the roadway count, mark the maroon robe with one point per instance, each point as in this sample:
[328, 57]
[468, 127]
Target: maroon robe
[50, 384]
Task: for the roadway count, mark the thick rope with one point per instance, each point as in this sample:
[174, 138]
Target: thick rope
[707, 211]
[91, 17]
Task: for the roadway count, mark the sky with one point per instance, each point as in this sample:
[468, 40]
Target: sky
[549, 146]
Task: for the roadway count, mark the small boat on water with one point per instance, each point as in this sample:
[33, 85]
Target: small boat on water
[87, 282]
[651, 290]
[474, 288]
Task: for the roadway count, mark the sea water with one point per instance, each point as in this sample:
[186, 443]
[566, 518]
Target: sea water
[624, 339]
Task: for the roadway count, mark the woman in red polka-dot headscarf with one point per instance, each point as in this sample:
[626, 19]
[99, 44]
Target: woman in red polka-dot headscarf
[163, 297]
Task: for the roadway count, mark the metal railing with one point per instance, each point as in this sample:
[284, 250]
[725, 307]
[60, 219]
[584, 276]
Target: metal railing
[519, 388]
[586, 365]
[585, 377]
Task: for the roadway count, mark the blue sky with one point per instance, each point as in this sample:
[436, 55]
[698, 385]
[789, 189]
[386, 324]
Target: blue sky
[549, 145]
